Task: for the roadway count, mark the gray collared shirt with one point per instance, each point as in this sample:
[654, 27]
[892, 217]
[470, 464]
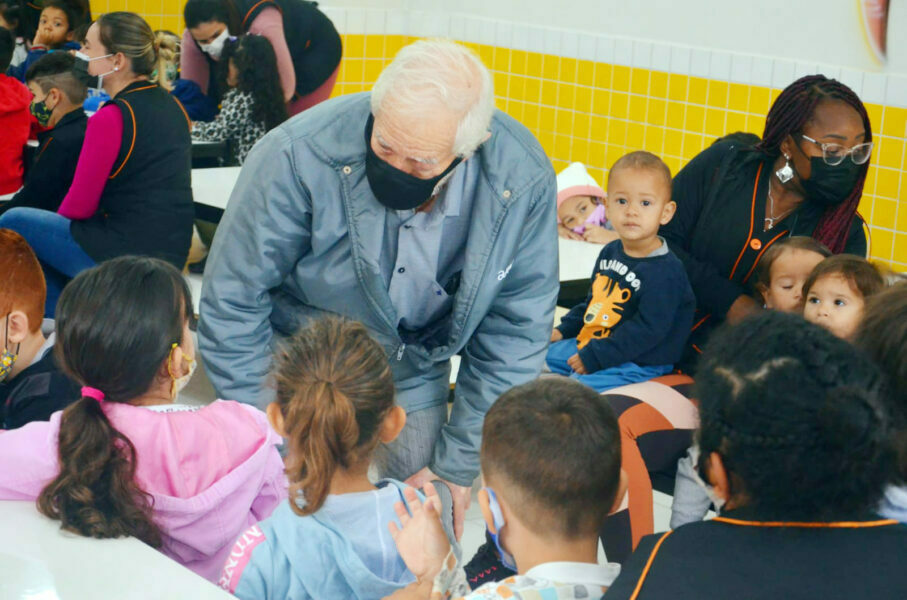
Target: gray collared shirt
[422, 252]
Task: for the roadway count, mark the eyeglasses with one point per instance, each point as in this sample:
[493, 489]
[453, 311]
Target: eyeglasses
[834, 154]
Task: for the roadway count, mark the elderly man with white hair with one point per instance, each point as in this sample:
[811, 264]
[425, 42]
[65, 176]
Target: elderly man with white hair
[416, 209]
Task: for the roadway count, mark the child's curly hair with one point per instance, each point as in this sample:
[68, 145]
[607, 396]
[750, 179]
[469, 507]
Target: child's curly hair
[256, 63]
[797, 417]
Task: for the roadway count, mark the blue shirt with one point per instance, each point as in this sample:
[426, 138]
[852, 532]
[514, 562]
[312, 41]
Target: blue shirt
[422, 252]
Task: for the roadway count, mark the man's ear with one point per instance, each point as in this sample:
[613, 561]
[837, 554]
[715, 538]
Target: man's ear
[18, 327]
[621, 490]
[275, 418]
[393, 424]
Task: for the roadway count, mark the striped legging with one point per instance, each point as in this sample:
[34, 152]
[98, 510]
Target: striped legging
[657, 420]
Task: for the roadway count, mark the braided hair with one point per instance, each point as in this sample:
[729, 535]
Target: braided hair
[794, 108]
[797, 417]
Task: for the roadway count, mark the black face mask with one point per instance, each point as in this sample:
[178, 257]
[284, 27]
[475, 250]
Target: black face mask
[80, 71]
[394, 188]
[829, 185]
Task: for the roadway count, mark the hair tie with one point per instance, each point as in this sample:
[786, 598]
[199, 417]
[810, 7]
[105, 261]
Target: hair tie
[90, 392]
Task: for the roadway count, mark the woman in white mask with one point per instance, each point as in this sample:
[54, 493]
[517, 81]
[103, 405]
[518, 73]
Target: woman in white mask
[307, 46]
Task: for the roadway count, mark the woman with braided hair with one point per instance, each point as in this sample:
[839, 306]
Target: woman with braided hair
[735, 200]
[795, 439]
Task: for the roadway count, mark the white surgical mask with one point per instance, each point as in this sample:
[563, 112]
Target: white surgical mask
[81, 69]
[216, 47]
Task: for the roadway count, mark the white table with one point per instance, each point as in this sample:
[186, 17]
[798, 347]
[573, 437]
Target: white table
[212, 187]
[576, 259]
[35, 549]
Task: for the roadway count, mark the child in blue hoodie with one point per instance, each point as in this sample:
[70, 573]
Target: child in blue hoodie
[335, 406]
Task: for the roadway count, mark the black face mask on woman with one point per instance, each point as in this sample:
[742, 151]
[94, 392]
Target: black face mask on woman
[830, 185]
[394, 188]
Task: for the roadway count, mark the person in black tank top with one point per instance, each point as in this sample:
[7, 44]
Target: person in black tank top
[131, 193]
[795, 438]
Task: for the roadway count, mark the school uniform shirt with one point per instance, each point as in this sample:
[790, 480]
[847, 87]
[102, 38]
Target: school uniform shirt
[234, 124]
[15, 122]
[742, 556]
[54, 166]
[343, 550]
[211, 471]
[554, 580]
[637, 310]
[38, 391]
[717, 230]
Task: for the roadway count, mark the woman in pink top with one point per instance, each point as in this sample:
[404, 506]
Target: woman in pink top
[307, 46]
[127, 458]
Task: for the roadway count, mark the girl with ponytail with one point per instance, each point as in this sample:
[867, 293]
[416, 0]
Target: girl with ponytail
[127, 459]
[335, 406]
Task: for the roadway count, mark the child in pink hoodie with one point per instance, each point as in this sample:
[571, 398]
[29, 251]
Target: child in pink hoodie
[126, 458]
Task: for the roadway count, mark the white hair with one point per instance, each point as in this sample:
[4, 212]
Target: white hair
[431, 72]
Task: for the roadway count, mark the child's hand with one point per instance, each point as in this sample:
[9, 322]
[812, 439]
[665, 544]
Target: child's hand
[599, 235]
[39, 39]
[568, 233]
[421, 542]
[556, 335]
[577, 365]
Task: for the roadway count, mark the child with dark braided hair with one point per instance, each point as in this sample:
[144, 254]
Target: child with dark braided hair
[735, 200]
[795, 438]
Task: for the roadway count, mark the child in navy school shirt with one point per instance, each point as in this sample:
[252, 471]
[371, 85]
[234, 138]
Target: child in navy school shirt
[637, 315]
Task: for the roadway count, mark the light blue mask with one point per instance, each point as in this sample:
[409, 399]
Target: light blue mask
[498, 518]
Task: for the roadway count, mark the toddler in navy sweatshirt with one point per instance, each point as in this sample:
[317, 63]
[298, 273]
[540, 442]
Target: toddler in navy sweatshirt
[637, 315]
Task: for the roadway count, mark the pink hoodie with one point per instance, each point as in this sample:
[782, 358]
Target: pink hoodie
[213, 472]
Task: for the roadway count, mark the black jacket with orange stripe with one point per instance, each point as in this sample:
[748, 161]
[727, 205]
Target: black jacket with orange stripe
[742, 557]
[146, 207]
[54, 166]
[717, 230]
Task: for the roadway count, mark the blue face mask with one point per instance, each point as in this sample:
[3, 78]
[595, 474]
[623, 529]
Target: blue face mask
[498, 518]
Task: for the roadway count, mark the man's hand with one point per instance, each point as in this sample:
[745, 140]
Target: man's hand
[568, 233]
[599, 235]
[577, 365]
[556, 335]
[461, 495]
[421, 541]
[742, 307]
